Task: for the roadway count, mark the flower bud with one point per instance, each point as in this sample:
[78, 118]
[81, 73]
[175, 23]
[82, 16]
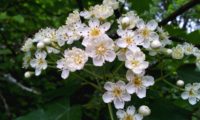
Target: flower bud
[27, 74]
[169, 51]
[125, 20]
[180, 83]
[47, 41]
[144, 110]
[156, 44]
[40, 45]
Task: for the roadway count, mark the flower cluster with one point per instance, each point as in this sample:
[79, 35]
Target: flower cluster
[132, 38]
[187, 49]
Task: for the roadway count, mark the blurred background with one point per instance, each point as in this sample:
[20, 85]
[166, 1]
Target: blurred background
[48, 97]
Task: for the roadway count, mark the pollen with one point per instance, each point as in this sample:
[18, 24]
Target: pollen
[128, 117]
[100, 50]
[137, 81]
[78, 59]
[95, 32]
[145, 33]
[117, 92]
[129, 40]
[135, 63]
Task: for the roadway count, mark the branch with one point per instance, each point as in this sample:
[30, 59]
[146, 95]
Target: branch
[179, 11]
[7, 110]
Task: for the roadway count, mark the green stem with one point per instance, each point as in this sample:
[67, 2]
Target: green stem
[92, 73]
[110, 111]
[87, 82]
[172, 85]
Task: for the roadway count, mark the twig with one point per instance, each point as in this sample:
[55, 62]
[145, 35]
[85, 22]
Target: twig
[179, 11]
[6, 106]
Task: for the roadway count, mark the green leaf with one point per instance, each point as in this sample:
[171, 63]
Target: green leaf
[189, 73]
[3, 16]
[59, 110]
[18, 18]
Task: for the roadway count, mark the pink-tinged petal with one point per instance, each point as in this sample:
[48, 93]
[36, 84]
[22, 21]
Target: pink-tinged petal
[121, 43]
[109, 86]
[121, 114]
[126, 97]
[119, 104]
[108, 97]
[110, 56]
[148, 81]
[65, 74]
[130, 88]
[98, 61]
[141, 92]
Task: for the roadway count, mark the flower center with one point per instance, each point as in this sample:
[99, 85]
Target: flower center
[100, 50]
[191, 92]
[129, 40]
[145, 33]
[40, 61]
[128, 117]
[78, 59]
[135, 63]
[117, 92]
[95, 32]
[137, 81]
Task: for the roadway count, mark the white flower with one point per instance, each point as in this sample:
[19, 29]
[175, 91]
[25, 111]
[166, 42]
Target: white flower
[188, 48]
[178, 52]
[39, 62]
[164, 37]
[94, 31]
[147, 32]
[128, 20]
[26, 60]
[192, 93]
[27, 45]
[135, 61]
[129, 39]
[98, 11]
[196, 52]
[73, 18]
[73, 60]
[138, 83]
[144, 110]
[129, 114]
[101, 50]
[67, 33]
[116, 92]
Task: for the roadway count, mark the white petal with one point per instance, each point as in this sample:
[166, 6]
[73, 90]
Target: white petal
[152, 25]
[185, 95]
[138, 117]
[107, 97]
[140, 24]
[110, 56]
[121, 114]
[119, 104]
[109, 86]
[192, 100]
[98, 61]
[141, 92]
[148, 81]
[105, 26]
[33, 63]
[130, 110]
[153, 36]
[37, 72]
[129, 75]
[133, 48]
[138, 39]
[126, 96]
[121, 84]
[65, 74]
[130, 88]
[121, 43]
[94, 23]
